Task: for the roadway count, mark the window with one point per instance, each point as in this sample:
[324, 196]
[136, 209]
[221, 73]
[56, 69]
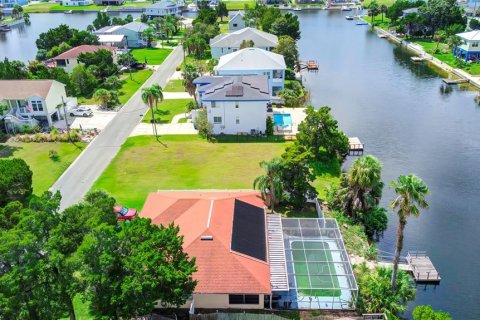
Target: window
[235, 25]
[217, 120]
[267, 74]
[243, 299]
[277, 74]
[213, 104]
[236, 105]
[37, 105]
[237, 120]
[275, 90]
[474, 44]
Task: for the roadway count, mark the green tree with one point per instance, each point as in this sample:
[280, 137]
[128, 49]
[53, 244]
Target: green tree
[15, 181]
[286, 25]
[206, 15]
[189, 74]
[106, 98]
[410, 198]
[247, 44]
[11, 70]
[439, 14]
[63, 33]
[100, 63]
[439, 36]
[149, 35]
[131, 266]
[149, 96]
[319, 132]
[287, 47]
[297, 176]
[375, 220]
[373, 11]
[159, 94]
[427, 313]
[83, 80]
[102, 20]
[112, 83]
[474, 24]
[270, 183]
[375, 294]
[204, 127]
[126, 60]
[269, 127]
[222, 10]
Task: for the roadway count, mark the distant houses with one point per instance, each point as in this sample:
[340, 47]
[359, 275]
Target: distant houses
[230, 42]
[235, 104]
[254, 61]
[69, 59]
[76, 2]
[469, 49]
[109, 2]
[31, 102]
[163, 8]
[133, 33]
[12, 3]
[235, 20]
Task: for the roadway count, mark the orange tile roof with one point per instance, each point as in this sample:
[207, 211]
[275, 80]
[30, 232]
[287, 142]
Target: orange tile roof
[198, 213]
[76, 51]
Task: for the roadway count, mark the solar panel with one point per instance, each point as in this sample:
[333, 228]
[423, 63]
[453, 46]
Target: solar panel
[236, 91]
[248, 234]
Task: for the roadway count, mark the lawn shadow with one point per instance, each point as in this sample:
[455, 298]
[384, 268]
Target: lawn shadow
[248, 139]
[7, 151]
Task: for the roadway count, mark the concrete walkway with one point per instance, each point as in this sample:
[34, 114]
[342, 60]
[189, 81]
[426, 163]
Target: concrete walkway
[176, 95]
[164, 129]
[86, 169]
[177, 117]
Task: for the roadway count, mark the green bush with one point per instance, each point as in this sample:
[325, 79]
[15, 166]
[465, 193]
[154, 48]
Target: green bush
[52, 154]
[269, 127]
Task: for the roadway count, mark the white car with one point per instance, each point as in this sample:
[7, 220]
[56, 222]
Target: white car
[81, 112]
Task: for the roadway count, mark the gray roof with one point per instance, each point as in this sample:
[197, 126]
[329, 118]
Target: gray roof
[232, 14]
[235, 39]
[164, 4]
[135, 26]
[234, 88]
[251, 59]
[411, 10]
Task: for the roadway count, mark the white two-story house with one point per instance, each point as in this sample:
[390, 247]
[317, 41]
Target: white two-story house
[31, 102]
[163, 8]
[231, 42]
[469, 49]
[254, 61]
[235, 104]
[132, 32]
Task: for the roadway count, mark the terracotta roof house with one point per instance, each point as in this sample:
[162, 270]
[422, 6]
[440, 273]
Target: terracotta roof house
[69, 59]
[247, 259]
[30, 102]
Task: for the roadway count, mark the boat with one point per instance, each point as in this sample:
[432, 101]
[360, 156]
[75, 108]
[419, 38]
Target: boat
[68, 12]
[297, 9]
[349, 17]
[4, 28]
[345, 8]
[361, 23]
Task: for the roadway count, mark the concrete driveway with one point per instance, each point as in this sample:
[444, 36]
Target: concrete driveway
[99, 120]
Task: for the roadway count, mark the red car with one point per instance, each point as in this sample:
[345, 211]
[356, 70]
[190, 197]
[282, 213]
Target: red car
[124, 213]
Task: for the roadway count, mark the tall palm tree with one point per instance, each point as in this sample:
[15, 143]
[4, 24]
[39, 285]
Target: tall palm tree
[189, 74]
[363, 185]
[373, 11]
[149, 96]
[270, 184]
[159, 94]
[411, 192]
[383, 10]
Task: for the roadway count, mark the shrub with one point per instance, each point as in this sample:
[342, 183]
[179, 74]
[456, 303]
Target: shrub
[269, 127]
[203, 126]
[52, 154]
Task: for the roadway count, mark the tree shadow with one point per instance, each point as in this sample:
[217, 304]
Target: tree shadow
[7, 151]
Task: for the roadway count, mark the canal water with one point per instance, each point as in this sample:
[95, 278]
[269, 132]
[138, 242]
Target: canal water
[19, 44]
[412, 124]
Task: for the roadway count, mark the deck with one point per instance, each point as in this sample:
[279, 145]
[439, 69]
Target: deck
[310, 65]
[454, 81]
[355, 146]
[422, 267]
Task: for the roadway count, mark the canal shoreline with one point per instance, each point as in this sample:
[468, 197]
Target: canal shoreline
[417, 49]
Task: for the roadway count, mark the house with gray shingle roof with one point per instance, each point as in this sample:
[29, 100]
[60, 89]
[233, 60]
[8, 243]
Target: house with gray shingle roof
[235, 104]
[132, 31]
[235, 20]
[230, 42]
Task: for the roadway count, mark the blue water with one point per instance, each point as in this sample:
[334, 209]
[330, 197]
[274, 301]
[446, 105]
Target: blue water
[284, 119]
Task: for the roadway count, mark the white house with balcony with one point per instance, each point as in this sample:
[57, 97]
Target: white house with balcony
[235, 104]
[163, 8]
[132, 32]
[469, 49]
[231, 42]
[31, 102]
[254, 61]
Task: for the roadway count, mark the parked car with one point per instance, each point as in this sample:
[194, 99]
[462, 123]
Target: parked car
[124, 213]
[81, 112]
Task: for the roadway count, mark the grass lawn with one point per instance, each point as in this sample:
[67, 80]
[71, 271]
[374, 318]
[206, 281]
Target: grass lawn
[45, 7]
[239, 4]
[388, 3]
[223, 27]
[154, 56]
[59, 7]
[182, 162]
[42, 7]
[308, 212]
[45, 170]
[166, 110]
[182, 120]
[327, 173]
[174, 86]
[81, 309]
[129, 87]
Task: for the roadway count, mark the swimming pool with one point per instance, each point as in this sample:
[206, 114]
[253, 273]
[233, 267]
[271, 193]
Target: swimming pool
[282, 119]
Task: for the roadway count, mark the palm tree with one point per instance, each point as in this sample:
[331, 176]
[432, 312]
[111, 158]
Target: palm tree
[148, 35]
[411, 192]
[383, 10]
[102, 96]
[363, 185]
[270, 184]
[149, 96]
[159, 94]
[190, 73]
[439, 36]
[373, 11]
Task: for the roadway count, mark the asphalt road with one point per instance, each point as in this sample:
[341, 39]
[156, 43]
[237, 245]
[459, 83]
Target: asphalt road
[86, 169]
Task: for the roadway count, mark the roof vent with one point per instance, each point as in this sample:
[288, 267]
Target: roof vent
[206, 238]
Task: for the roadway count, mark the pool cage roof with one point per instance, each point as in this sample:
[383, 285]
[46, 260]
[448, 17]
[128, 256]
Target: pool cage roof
[319, 271]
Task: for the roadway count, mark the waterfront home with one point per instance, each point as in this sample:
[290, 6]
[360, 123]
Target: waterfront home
[235, 20]
[235, 104]
[163, 8]
[69, 59]
[230, 42]
[109, 2]
[112, 40]
[247, 259]
[77, 2]
[132, 31]
[254, 61]
[406, 12]
[469, 49]
[31, 102]
[11, 3]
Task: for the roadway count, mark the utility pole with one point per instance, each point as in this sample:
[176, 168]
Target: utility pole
[66, 120]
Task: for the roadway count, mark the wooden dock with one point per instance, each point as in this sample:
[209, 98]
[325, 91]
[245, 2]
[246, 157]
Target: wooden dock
[355, 146]
[419, 59]
[422, 267]
[454, 81]
[310, 65]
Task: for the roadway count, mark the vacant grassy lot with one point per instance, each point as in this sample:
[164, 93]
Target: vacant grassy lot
[174, 86]
[239, 4]
[45, 170]
[144, 165]
[166, 110]
[388, 3]
[45, 7]
[129, 86]
[154, 56]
